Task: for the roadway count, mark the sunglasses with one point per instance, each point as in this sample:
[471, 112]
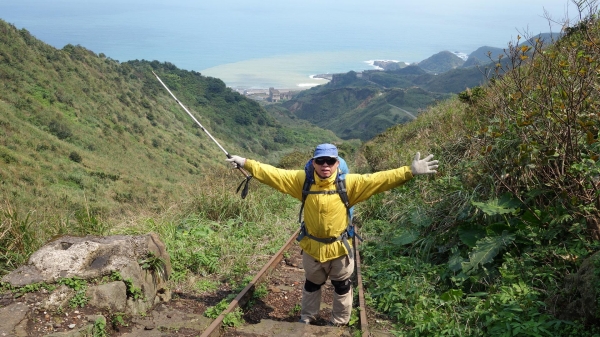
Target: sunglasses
[322, 160]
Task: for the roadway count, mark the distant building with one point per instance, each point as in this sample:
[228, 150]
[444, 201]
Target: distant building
[276, 95]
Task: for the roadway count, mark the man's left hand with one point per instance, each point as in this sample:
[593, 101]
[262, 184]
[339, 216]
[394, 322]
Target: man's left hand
[423, 166]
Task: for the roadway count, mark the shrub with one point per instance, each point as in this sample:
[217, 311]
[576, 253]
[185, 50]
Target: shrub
[59, 129]
[76, 157]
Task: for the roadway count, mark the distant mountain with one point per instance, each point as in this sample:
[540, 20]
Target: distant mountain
[411, 70]
[483, 55]
[546, 38]
[441, 62]
[358, 106]
[486, 54]
[361, 105]
[453, 81]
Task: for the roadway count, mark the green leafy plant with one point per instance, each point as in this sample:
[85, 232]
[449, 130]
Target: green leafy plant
[296, 309]
[74, 283]
[354, 317]
[485, 250]
[80, 299]
[115, 276]
[260, 291]
[234, 318]
[76, 157]
[20, 291]
[206, 285]
[155, 264]
[99, 329]
[214, 311]
[472, 95]
[133, 291]
[118, 320]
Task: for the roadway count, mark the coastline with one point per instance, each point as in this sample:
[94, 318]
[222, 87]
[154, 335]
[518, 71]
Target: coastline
[295, 71]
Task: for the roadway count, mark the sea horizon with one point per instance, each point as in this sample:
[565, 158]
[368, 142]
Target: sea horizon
[279, 44]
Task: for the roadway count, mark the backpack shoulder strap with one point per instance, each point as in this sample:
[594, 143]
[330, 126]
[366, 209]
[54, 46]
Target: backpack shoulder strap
[309, 170]
[340, 186]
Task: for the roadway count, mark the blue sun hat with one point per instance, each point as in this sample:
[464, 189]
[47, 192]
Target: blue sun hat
[326, 150]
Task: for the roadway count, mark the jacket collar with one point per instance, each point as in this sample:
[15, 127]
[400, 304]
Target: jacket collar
[327, 181]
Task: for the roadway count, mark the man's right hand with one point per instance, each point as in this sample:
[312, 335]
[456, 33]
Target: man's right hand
[237, 161]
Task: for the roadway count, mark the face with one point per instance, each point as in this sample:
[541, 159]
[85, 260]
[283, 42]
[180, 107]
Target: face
[325, 170]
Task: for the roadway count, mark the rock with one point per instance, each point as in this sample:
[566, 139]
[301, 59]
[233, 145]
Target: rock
[24, 275]
[388, 65]
[86, 257]
[12, 315]
[58, 298]
[110, 296]
[92, 257]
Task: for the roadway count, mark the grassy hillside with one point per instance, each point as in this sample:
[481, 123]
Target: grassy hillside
[85, 139]
[504, 241]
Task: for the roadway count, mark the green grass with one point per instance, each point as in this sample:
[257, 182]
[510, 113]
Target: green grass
[215, 232]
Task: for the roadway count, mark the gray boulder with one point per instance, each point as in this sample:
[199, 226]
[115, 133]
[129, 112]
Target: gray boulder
[94, 257]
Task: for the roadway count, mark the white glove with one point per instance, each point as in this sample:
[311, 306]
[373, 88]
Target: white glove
[237, 161]
[423, 166]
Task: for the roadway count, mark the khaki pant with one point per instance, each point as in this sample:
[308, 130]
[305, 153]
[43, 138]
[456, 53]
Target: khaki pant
[339, 269]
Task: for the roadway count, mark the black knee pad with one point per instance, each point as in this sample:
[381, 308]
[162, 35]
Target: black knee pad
[342, 287]
[311, 287]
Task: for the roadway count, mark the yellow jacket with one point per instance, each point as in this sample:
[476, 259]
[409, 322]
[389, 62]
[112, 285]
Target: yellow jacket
[324, 214]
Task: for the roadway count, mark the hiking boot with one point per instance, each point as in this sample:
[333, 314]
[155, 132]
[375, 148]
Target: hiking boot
[337, 325]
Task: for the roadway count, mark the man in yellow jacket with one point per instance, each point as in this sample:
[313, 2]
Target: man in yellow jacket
[325, 218]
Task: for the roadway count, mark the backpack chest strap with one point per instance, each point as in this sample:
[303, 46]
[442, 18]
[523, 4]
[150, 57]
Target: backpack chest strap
[306, 192]
[321, 192]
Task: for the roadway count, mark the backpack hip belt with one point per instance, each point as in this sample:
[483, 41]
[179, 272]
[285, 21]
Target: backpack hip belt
[343, 237]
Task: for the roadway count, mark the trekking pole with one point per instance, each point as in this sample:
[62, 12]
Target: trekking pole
[244, 172]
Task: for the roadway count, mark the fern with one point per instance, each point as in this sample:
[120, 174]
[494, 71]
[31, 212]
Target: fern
[485, 251]
[504, 205]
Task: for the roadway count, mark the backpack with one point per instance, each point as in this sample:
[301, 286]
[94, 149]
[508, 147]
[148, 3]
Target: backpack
[340, 188]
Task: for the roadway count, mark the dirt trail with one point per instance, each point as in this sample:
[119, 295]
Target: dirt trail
[276, 313]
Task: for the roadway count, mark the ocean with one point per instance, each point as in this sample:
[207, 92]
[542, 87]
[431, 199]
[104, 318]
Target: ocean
[282, 44]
